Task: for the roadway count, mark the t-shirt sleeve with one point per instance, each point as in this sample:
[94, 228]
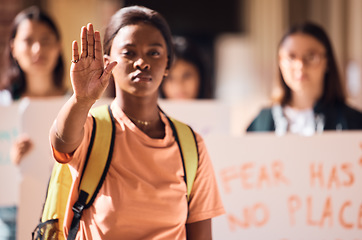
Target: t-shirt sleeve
[205, 201]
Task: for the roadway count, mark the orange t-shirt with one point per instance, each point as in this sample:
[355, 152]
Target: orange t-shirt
[144, 193]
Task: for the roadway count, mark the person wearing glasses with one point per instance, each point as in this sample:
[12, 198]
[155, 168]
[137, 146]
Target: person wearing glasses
[311, 97]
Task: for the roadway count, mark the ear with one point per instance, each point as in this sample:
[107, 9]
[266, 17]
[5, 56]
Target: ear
[106, 59]
[167, 71]
[12, 48]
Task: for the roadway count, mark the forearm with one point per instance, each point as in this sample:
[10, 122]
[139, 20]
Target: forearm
[67, 131]
[89, 80]
[199, 230]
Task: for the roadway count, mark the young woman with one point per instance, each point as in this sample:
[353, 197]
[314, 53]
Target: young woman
[312, 97]
[188, 78]
[34, 65]
[143, 195]
[33, 68]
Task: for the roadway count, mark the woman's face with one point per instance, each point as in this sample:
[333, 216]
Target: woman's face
[183, 82]
[141, 53]
[35, 47]
[303, 64]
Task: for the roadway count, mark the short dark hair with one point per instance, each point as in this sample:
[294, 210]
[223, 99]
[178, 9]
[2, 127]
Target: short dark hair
[332, 91]
[133, 15]
[13, 77]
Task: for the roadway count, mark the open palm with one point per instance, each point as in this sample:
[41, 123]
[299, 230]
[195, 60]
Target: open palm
[88, 75]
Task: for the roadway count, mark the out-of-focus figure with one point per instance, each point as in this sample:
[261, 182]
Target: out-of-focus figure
[189, 76]
[311, 97]
[34, 69]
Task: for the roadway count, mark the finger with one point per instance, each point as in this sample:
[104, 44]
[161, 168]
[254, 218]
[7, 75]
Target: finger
[108, 71]
[75, 54]
[90, 40]
[109, 68]
[97, 46]
[26, 148]
[83, 43]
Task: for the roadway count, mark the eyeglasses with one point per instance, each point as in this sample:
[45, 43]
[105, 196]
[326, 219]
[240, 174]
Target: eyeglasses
[310, 60]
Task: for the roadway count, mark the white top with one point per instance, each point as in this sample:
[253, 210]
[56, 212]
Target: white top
[5, 98]
[300, 121]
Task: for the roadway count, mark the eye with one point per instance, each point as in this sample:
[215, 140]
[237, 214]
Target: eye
[154, 53]
[128, 53]
[28, 41]
[187, 75]
[47, 41]
[291, 57]
[313, 58]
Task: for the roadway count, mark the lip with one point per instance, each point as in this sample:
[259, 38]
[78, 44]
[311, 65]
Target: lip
[142, 77]
[39, 60]
[301, 76]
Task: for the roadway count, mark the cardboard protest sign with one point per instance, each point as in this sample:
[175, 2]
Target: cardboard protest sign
[37, 117]
[290, 187]
[9, 173]
[204, 116]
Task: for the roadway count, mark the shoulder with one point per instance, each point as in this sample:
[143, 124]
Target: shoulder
[265, 112]
[353, 117]
[352, 111]
[263, 121]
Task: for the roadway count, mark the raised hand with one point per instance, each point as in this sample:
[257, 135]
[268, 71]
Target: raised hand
[88, 75]
[21, 147]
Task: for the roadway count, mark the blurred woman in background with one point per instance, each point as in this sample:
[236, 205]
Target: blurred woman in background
[34, 68]
[311, 97]
[34, 64]
[189, 76]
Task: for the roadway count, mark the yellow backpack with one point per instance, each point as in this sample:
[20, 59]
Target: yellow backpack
[94, 172]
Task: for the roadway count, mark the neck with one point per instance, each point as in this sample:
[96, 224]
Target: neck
[41, 86]
[139, 108]
[143, 112]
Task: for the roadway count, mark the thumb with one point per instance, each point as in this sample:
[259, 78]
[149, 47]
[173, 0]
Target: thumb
[108, 71]
[109, 68]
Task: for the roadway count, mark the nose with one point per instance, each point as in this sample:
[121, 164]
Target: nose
[36, 47]
[299, 63]
[141, 64]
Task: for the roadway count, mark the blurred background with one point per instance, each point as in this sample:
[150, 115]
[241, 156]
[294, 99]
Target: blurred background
[240, 38]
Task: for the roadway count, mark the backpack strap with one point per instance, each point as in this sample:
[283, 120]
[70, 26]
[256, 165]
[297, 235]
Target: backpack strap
[96, 164]
[187, 144]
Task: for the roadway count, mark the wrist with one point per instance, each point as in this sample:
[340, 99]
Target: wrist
[85, 103]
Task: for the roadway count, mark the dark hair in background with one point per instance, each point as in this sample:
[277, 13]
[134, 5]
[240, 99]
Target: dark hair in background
[13, 77]
[188, 51]
[332, 91]
[133, 15]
